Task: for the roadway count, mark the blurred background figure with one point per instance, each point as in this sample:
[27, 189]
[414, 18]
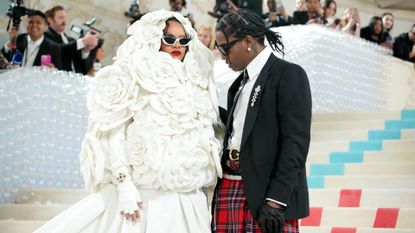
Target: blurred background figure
[180, 6]
[4, 64]
[329, 13]
[32, 48]
[387, 21]
[134, 12]
[206, 35]
[75, 53]
[404, 46]
[350, 21]
[300, 5]
[98, 55]
[311, 15]
[374, 31]
[277, 16]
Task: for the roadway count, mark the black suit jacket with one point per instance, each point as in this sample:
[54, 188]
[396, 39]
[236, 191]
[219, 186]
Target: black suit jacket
[275, 138]
[46, 47]
[70, 53]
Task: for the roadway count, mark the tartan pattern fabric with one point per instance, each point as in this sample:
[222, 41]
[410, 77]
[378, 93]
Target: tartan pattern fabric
[231, 213]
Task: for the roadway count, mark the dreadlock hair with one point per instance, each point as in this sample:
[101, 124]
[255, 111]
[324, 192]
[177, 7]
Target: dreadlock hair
[244, 22]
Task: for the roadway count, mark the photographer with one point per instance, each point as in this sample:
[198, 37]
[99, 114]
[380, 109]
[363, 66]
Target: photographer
[32, 47]
[277, 16]
[75, 53]
[311, 16]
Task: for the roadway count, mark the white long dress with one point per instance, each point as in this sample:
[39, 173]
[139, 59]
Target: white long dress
[153, 117]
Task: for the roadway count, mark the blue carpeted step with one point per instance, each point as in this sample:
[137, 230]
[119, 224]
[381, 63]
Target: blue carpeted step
[315, 181]
[327, 169]
[408, 114]
[346, 157]
[399, 124]
[360, 146]
[384, 134]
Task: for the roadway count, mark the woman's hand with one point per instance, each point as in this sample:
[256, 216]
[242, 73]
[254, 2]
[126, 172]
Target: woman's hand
[129, 201]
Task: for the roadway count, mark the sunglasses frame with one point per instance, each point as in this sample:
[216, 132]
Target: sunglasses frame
[224, 49]
[176, 40]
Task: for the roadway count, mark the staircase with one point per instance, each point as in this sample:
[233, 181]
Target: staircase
[361, 175]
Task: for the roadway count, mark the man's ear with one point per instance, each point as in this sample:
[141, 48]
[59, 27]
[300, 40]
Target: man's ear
[249, 41]
[48, 21]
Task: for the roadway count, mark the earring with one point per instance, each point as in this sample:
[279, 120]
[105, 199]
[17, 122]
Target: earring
[248, 49]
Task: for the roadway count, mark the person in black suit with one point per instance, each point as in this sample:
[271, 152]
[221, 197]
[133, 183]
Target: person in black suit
[264, 187]
[312, 15]
[33, 45]
[404, 46]
[75, 53]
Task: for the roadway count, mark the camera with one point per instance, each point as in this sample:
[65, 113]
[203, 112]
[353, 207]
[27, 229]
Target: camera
[220, 9]
[15, 12]
[134, 12]
[81, 32]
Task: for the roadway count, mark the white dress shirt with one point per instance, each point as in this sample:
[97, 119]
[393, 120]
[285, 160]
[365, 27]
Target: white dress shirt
[253, 69]
[31, 51]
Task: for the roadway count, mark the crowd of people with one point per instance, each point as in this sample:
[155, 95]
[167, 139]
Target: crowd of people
[47, 44]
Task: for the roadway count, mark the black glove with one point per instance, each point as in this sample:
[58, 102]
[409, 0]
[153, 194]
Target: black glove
[271, 219]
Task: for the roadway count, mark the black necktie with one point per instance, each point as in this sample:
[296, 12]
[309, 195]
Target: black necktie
[229, 122]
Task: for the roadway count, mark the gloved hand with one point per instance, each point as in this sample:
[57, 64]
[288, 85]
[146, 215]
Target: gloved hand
[129, 200]
[271, 220]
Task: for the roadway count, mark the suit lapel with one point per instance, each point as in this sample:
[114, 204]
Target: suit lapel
[43, 49]
[255, 99]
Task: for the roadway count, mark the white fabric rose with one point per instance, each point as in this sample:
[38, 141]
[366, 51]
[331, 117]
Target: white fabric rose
[114, 91]
[155, 71]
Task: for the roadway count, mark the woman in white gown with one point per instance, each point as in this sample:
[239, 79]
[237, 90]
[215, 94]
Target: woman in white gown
[150, 149]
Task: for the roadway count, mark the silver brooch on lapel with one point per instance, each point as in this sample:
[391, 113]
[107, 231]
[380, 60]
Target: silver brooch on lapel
[255, 95]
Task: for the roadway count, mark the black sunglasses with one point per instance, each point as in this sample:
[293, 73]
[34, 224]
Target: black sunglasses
[224, 49]
[170, 40]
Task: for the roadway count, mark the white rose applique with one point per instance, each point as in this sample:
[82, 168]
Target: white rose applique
[113, 93]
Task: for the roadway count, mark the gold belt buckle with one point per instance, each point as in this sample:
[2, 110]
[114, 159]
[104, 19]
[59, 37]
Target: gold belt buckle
[234, 154]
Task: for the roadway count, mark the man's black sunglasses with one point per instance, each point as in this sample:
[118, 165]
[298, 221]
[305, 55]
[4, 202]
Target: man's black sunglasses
[224, 49]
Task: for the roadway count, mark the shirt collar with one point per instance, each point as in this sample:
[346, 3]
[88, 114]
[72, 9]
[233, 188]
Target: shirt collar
[35, 43]
[256, 65]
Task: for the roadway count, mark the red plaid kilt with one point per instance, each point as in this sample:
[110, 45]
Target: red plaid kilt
[231, 213]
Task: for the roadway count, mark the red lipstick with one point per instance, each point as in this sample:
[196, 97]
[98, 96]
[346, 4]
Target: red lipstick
[176, 53]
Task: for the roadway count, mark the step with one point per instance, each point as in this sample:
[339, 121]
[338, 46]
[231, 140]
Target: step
[36, 212]
[399, 145]
[339, 135]
[357, 116]
[360, 135]
[54, 195]
[380, 198]
[307, 229]
[328, 146]
[366, 157]
[370, 181]
[389, 156]
[361, 217]
[348, 125]
[19, 226]
[408, 134]
[361, 169]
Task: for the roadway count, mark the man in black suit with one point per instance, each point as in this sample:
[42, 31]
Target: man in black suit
[33, 46]
[75, 53]
[264, 187]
